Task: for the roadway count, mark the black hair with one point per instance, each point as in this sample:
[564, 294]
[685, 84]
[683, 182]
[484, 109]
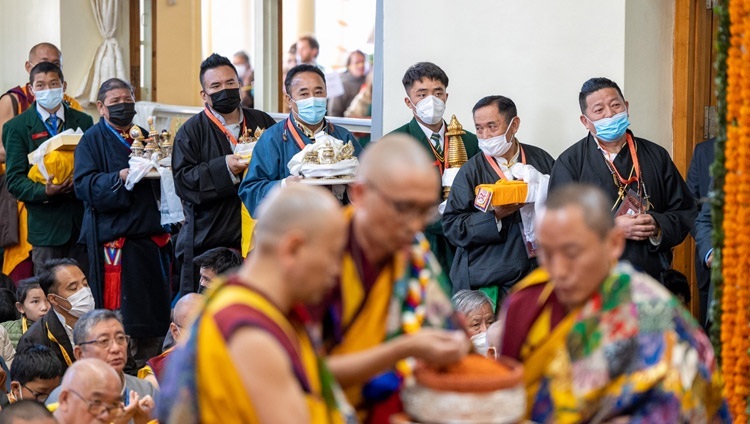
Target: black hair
[8, 310]
[47, 279]
[7, 282]
[112, 84]
[27, 410]
[36, 361]
[45, 68]
[421, 70]
[25, 286]
[215, 61]
[298, 70]
[218, 259]
[677, 283]
[311, 41]
[505, 106]
[293, 48]
[593, 85]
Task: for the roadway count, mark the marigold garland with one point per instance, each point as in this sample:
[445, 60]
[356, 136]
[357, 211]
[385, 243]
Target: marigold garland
[732, 230]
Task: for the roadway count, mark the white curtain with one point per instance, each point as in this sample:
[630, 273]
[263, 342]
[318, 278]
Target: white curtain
[107, 62]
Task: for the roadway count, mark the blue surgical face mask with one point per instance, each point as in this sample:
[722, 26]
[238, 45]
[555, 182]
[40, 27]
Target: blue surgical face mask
[611, 129]
[311, 110]
[49, 99]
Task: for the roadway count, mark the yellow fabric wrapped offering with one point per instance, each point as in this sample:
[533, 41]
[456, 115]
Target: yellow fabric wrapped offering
[59, 164]
[503, 192]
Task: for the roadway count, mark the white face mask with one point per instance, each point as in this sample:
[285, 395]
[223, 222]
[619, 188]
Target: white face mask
[480, 343]
[49, 99]
[241, 69]
[498, 145]
[81, 302]
[429, 110]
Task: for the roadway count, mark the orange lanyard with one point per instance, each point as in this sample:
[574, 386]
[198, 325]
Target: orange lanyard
[636, 165]
[295, 134]
[498, 171]
[224, 129]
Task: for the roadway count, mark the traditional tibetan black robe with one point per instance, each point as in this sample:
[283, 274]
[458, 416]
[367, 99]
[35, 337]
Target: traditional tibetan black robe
[129, 220]
[485, 256]
[209, 196]
[673, 206]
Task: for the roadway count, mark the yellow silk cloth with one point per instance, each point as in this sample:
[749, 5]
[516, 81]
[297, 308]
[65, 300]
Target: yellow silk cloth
[248, 225]
[220, 389]
[14, 255]
[59, 164]
[506, 192]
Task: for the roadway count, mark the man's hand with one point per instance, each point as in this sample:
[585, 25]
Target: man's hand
[124, 174]
[291, 179]
[506, 210]
[56, 189]
[236, 164]
[139, 410]
[710, 259]
[439, 347]
[637, 227]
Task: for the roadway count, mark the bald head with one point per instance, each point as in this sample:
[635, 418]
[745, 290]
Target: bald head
[296, 207]
[596, 207]
[83, 372]
[89, 388]
[395, 196]
[392, 156]
[186, 306]
[44, 52]
[42, 48]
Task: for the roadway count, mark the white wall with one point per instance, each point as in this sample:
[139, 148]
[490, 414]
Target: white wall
[25, 23]
[538, 53]
[648, 69]
[228, 27]
[71, 28]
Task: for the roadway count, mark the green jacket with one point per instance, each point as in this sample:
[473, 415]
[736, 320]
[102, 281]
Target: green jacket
[53, 221]
[440, 246]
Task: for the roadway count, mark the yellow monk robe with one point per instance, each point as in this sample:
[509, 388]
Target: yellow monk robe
[201, 383]
[368, 309]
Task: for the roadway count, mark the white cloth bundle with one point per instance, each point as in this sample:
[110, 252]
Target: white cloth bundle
[170, 205]
[536, 196]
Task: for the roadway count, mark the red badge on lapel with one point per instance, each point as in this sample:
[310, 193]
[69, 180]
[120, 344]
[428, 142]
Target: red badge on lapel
[39, 135]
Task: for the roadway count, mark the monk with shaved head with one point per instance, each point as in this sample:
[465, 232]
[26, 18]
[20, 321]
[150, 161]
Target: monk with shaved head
[369, 326]
[599, 340]
[90, 393]
[248, 357]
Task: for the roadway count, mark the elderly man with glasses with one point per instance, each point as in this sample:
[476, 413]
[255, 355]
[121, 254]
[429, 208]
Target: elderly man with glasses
[99, 334]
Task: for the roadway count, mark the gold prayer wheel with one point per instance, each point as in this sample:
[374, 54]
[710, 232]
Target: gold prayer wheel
[456, 150]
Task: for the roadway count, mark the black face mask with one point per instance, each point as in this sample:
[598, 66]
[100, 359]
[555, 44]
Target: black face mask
[121, 114]
[226, 101]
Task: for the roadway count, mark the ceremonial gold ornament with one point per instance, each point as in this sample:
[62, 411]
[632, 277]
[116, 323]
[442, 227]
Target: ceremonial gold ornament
[145, 146]
[456, 150]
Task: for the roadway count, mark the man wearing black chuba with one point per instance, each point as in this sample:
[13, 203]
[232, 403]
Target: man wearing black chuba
[207, 173]
[129, 250]
[650, 200]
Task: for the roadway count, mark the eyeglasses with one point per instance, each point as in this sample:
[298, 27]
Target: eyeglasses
[96, 407]
[104, 342]
[404, 207]
[39, 397]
